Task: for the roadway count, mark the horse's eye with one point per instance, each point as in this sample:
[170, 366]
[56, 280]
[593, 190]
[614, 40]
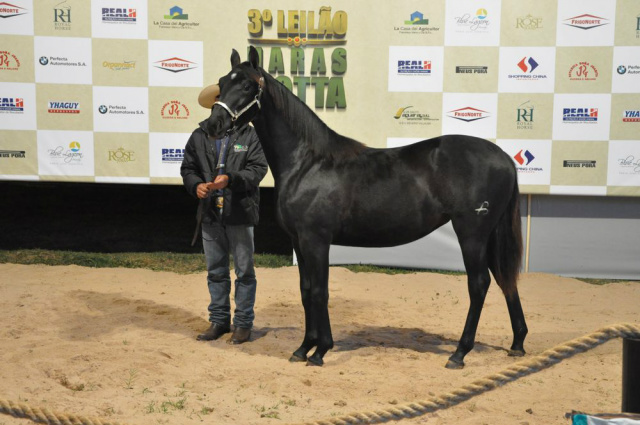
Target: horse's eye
[246, 86]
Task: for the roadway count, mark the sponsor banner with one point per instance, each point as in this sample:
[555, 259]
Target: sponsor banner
[175, 110]
[624, 163]
[63, 18]
[626, 70]
[113, 66]
[581, 116]
[474, 114]
[425, 26]
[16, 59]
[527, 69]
[579, 163]
[166, 152]
[586, 23]
[17, 106]
[175, 63]
[583, 69]
[65, 153]
[16, 17]
[121, 109]
[627, 27]
[528, 23]
[415, 69]
[471, 69]
[18, 154]
[64, 107]
[525, 116]
[61, 60]
[179, 21]
[120, 155]
[472, 23]
[119, 19]
[532, 159]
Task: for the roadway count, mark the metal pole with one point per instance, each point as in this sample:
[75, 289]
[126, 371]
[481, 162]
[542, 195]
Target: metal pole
[631, 375]
[526, 251]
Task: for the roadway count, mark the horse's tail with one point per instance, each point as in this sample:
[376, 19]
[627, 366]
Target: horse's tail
[505, 246]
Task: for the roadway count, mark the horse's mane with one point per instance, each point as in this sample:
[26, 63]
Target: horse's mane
[320, 140]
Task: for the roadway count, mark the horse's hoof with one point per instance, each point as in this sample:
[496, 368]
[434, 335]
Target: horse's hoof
[452, 364]
[314, 361]
[297, 359]
[516, 353]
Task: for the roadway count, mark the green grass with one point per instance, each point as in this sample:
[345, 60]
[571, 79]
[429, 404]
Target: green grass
[189, 263]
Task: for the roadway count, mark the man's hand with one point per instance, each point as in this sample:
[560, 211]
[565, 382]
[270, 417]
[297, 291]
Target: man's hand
[202, 191]
[220, 182]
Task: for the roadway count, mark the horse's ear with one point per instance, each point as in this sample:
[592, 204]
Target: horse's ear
[235, 58]
[254, 58]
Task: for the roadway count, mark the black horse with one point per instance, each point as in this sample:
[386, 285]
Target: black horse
[334, 190]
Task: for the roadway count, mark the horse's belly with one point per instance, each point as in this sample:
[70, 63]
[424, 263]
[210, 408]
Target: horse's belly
[387, 232]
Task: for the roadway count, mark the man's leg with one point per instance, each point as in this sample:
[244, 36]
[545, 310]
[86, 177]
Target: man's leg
[216, 252]
[241, 244]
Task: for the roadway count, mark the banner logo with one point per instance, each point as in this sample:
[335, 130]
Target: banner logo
[8, 61]
[172, 155]
[583, 71]
[63, 108]
[68, 156]
[8, 10]
[477, 23]
[580, 115]
[417, 24]
[525, 116]
[631, 116]
[119, 66]
[528, 157]
[406, 115]
[174, 110]
[468, 114]
[527, 64]
[629, 165]
[62, 16]
[472, 69]
[298, 30]
[414, 67]
[529, 23]
[12, 154]
[119, 15]
[121, 155]
[11, 105]
[586, 22]
[176, 13]
[175, 65]
[578, 163]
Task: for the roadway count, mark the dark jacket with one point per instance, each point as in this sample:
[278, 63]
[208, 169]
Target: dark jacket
[245, 165]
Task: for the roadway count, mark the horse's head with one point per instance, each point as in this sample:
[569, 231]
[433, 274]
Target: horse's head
[240, 93]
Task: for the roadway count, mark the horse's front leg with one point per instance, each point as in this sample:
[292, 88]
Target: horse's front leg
[315, 299]
[310, 325]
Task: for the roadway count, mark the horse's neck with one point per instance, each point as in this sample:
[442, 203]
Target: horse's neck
[281, 146]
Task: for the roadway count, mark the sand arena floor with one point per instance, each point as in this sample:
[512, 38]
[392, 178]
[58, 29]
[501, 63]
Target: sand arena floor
[120, 344]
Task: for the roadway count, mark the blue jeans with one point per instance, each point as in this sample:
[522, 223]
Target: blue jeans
[219, 241]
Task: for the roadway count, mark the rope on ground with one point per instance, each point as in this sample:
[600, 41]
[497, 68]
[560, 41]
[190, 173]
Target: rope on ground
[516, 371]
[45, 416]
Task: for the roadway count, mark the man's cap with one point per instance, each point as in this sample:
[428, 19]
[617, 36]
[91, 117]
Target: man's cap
[208, 95]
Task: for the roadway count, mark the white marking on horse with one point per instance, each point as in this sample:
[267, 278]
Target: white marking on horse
[483, 210]
[234, 75]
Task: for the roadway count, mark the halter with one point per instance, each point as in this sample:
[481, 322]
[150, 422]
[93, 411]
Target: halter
[237, 114]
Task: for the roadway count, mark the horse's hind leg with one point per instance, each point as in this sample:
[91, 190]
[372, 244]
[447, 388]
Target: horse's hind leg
[474, 254]
[518, 324]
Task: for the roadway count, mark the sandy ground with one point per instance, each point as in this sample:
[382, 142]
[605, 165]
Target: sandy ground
[120, 344]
